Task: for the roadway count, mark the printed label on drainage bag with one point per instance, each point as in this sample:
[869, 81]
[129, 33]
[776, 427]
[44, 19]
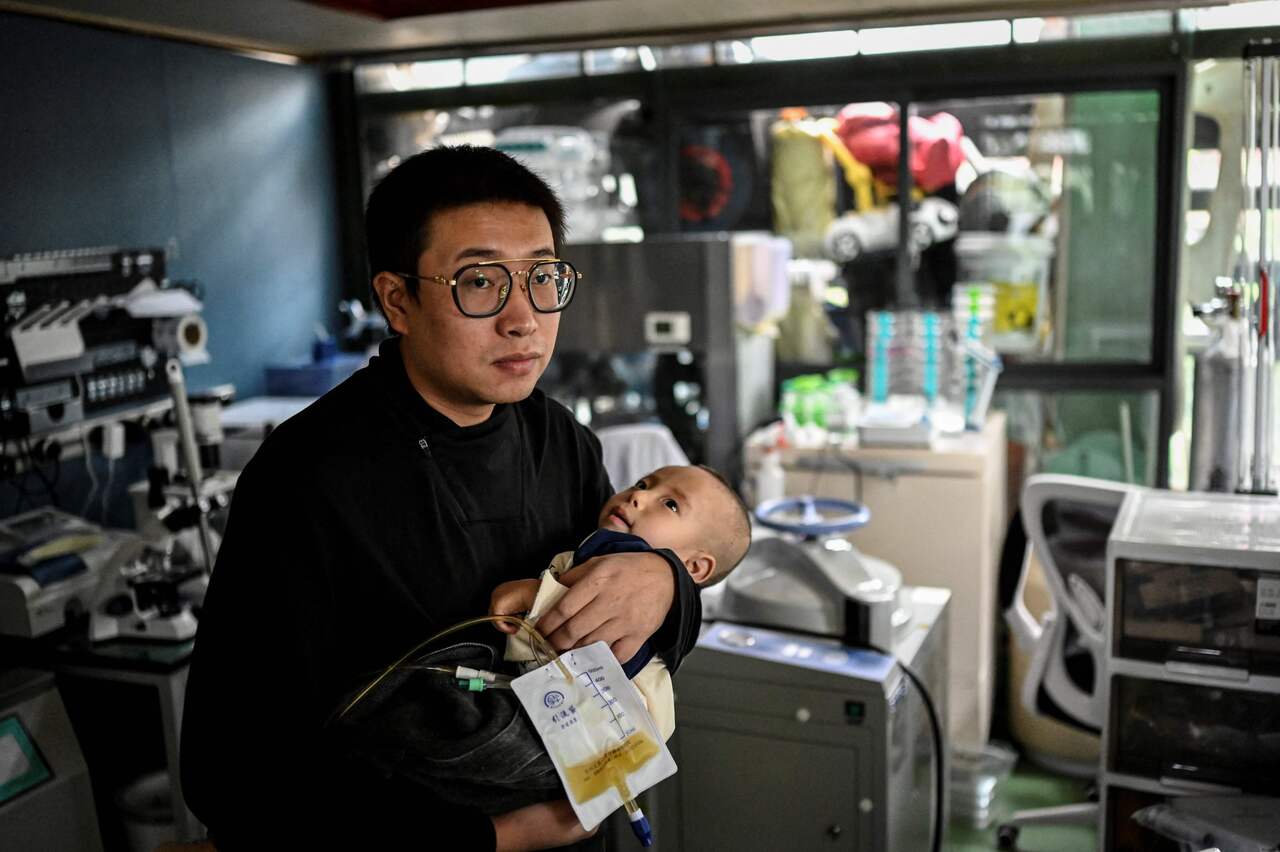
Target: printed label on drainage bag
[604, 744]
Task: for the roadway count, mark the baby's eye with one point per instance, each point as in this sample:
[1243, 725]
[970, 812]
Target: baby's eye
[671, 504]
[640, 485]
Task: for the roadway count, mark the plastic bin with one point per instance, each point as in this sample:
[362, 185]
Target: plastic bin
[145, 806]
[1015, 271]
[976, 775]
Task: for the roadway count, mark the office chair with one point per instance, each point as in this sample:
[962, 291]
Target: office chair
[1066, 521]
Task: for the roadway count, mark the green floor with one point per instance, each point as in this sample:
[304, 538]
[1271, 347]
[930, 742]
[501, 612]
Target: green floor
[1030, 787]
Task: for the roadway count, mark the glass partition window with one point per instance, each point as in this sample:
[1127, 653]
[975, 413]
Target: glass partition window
[1102, 435]
[1033, 216]
[1057, 207]
[1032, 221]
[595, 154]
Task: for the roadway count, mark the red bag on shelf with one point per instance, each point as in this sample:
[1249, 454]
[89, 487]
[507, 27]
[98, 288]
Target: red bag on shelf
[870, 132]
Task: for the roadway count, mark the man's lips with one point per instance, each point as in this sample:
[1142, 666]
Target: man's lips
[518, 357]
[520, 364]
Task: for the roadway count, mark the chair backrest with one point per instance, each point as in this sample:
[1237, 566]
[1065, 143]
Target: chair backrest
[1067, 521]
[632, 450]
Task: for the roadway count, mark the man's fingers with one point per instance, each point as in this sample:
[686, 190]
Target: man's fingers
[619, 599]
[573, 632]
[566, 608]
[611, 633]
[583, 622]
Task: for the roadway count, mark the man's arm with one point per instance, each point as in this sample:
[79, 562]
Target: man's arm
[624, 599]
[542, 826]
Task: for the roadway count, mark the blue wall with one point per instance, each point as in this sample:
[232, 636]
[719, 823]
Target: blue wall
[115, 139]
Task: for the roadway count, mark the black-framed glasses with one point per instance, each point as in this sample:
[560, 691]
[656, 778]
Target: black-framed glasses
[481, 289]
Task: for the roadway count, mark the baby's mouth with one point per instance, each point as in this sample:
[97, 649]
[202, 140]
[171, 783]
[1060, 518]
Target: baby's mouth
[619, 519]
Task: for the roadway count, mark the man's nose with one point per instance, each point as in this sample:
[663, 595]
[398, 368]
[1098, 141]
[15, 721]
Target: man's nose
[518, 318]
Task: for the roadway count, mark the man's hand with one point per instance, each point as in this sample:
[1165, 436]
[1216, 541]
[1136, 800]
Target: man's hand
[513, 598]
[542, 826]
[621, 599]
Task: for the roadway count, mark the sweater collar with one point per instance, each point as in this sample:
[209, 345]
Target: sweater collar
[389, 366]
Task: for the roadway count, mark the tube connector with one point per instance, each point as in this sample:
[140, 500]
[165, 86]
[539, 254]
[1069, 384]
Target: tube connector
[640, 827]
[464, 673]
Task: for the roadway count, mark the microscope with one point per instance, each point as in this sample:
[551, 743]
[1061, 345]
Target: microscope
[158, 595]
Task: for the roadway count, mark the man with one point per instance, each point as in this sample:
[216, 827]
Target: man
[392, 507]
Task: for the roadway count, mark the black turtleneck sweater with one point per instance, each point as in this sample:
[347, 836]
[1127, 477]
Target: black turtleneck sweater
[363, 525]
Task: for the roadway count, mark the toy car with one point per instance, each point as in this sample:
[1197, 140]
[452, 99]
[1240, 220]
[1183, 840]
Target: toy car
[933, 220]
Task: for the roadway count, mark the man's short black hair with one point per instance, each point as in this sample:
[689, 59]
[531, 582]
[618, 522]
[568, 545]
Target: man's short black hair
[397, 219]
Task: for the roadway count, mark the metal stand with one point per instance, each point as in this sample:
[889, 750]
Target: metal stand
[170, 687]
[1084, 813]
[190, 453]
[1258, 268]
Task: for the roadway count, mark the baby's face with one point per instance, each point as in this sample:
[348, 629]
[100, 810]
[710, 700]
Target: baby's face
[668, 508]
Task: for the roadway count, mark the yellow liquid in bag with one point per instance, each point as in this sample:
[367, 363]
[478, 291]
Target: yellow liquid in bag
[610, 768]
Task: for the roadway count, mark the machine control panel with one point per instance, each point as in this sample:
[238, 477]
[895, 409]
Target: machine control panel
[804, 651]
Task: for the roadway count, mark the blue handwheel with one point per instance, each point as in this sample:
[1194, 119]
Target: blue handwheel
[819, 516]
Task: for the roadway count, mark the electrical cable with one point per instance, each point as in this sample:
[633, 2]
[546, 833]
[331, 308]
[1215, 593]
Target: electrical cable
[88, 467]
[33, 466]
[106, 491]
[935, 724]
[15, 478]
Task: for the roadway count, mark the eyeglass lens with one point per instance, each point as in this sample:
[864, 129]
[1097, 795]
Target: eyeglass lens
[482, 290]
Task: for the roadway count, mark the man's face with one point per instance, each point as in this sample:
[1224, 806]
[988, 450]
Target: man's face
[670, 508]
[462, 365]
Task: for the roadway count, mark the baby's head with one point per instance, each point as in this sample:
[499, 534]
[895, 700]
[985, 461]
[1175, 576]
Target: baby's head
[689, 510]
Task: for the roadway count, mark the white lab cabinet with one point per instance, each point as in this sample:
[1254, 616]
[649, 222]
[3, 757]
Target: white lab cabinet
[938, 515]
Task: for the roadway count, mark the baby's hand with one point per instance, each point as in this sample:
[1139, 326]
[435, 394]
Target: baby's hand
[512, 598]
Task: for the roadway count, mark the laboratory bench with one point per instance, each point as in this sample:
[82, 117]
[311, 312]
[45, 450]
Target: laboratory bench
[125, 701]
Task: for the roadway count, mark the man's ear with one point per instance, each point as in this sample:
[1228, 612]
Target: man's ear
[393, 295]
[700, 565]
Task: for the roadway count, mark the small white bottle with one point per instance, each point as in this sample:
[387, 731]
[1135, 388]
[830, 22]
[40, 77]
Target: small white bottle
[771, 479]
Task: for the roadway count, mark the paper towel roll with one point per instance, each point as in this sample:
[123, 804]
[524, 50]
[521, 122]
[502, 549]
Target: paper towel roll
[184, 336]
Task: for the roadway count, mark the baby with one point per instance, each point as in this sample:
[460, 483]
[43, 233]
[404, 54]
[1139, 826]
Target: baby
[477, 748]
[691, 511]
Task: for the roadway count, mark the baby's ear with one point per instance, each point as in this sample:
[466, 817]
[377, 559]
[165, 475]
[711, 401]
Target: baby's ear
[700, 565]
